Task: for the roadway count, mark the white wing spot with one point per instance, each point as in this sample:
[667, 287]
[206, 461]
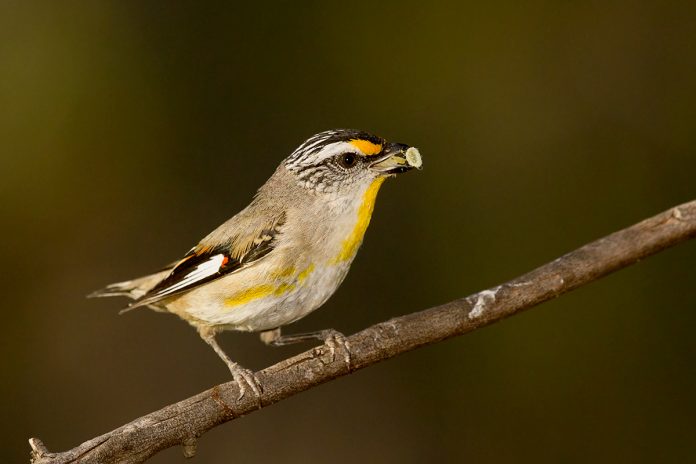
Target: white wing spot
[203, 270]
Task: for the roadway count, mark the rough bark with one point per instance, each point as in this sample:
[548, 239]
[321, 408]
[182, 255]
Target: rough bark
[181, 423]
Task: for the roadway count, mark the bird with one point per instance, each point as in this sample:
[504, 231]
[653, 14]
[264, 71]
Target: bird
[285, 254]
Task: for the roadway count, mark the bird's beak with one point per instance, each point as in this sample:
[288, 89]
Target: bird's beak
[397, 158]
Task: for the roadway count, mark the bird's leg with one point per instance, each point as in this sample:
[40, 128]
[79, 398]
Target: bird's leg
[332, 339]
[242, 376]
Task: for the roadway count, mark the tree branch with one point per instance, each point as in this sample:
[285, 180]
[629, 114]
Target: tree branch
[181, 423]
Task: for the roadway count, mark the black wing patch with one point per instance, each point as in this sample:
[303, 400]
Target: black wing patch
[202, 265]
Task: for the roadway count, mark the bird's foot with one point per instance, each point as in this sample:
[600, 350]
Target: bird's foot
[336, 341]
[245, 379]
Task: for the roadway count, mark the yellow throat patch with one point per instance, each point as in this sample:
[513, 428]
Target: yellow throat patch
[353, 241]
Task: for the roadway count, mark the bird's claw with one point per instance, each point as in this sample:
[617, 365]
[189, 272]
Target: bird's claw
[244, 377]
[336, 341]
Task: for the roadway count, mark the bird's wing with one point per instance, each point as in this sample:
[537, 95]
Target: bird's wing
[208, 261]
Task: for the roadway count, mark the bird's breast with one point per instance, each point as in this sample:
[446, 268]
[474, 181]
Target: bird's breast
[349, 234]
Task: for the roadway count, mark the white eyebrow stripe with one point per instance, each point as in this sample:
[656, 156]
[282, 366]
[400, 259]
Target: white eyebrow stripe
[316, 149]
[337, 148]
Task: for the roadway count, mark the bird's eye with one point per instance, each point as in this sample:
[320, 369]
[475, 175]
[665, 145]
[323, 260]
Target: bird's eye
[347, 160]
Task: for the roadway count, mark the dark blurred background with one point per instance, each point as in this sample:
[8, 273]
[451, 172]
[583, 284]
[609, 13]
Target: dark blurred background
[129, 130]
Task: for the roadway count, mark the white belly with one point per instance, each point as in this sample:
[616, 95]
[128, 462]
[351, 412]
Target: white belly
[227, 302]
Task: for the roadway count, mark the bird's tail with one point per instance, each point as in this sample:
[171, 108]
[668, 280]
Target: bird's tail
[133, 289]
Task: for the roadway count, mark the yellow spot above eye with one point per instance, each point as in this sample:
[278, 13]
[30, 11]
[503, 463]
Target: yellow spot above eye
[352, 243]
[366, 147]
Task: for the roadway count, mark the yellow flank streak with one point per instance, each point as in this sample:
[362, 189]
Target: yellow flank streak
[258, 292]
[352, 243]
[263, 291]
[366, 147]
[304, 274]
[283, 289]
[250, 294]
[284, 273]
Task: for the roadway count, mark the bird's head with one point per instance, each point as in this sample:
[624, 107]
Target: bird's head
[347, 160]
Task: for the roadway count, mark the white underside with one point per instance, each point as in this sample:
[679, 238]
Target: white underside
[208, 305]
